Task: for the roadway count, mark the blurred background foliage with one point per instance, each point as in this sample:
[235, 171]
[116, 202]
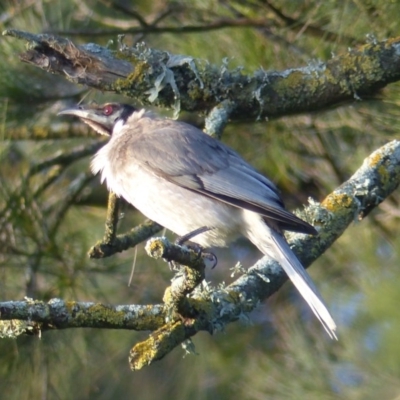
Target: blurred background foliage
[52, 210]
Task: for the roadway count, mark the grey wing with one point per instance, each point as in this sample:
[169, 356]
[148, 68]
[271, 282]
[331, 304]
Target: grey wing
[186, 156]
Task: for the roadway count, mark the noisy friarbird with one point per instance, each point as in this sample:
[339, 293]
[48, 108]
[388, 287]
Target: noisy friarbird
[184, 179]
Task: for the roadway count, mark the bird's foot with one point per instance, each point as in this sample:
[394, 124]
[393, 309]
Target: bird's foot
[209, 258]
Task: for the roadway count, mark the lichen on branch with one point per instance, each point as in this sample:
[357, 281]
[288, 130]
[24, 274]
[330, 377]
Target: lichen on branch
[163, 79]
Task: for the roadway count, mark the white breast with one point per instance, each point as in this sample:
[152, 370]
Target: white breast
[176, 208]
[101, 164]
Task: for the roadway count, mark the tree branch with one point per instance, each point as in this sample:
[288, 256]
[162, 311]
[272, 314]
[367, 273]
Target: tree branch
[60, 314]
[53, 131]
[163, 79]
[112, 219]
[310, 29]
[125, 241]
[219, 23]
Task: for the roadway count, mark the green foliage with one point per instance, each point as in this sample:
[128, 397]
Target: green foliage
[49, 218]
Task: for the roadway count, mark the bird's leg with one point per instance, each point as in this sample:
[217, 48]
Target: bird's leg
[210, 257]
[180, 240]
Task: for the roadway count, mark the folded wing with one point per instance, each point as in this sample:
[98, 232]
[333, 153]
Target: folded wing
[212, 169]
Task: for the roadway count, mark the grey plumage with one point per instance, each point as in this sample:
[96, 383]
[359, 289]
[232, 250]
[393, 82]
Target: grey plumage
[184, 179]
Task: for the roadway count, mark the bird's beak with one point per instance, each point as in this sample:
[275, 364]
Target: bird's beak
[92, 117]
[77, 112]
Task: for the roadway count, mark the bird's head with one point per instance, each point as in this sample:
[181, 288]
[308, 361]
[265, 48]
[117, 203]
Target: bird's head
[102, 118]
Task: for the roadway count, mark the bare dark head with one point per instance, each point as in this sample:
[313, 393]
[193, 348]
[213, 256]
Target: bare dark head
[102, 118]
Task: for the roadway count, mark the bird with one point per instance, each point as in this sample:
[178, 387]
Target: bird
[183, 179]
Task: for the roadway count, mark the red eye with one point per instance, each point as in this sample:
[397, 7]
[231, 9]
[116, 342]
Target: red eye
[108, 109]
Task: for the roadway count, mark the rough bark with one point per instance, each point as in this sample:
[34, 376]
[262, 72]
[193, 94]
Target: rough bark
[156, 77]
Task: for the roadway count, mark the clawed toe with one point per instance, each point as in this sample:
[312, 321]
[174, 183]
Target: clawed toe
[210, 259]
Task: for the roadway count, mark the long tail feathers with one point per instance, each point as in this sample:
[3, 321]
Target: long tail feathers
[303, 282]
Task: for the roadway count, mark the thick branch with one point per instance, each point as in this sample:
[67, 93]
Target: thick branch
[59, 314]
[163, 79]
